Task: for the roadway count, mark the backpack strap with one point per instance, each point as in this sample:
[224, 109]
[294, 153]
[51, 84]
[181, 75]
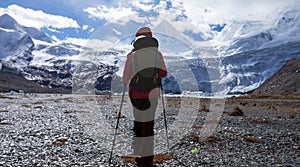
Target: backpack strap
[135, 67]
[134, 64]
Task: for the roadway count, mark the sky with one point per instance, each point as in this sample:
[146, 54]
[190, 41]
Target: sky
[79, 19]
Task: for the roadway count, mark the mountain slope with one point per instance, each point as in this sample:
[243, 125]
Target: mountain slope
[17, 42]
[7, 22]
[245, 71]
[252, 51]
[11, 79]
[15, 48]
[286, 80]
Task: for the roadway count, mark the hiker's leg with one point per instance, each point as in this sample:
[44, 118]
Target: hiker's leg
[144, 112]
[149, 131]
[139, 105]
[146, 141]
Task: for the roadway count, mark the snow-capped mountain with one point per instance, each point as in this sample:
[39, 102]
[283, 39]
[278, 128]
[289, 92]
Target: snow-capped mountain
[49, 63]
[252, 51]
[7, 22]
[276, 29]
[16, 42]
[238, 60]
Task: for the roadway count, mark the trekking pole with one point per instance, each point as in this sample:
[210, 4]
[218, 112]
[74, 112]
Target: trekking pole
[116, 129]
[165, 118]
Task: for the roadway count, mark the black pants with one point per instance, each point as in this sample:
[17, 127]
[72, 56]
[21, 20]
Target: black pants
[144, 113]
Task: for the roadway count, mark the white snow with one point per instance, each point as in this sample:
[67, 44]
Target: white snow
[282, 26]
[7, 30]
[239, 59]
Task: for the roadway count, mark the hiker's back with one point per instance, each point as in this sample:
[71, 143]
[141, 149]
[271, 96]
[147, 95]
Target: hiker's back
[144, 62]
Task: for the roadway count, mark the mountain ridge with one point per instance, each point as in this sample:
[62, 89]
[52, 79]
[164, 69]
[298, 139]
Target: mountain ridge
[8, 22]
[242, 66]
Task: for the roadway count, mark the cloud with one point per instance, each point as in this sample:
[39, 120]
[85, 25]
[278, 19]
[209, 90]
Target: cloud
[38, 18]
[216, 11]
[138, 11]
[88, 28]
[116, 31]
[142, 13]
[142, 5]
[85, 27]
[76, 41]
[92, 30]
[53, 30]
[171, 7]
[198, 11]
[95, 44]
[192, 17]
[108, 14]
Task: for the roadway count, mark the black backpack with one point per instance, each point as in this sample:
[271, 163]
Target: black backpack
[145, 66]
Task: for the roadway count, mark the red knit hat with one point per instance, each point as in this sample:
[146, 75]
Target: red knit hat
[146, 31]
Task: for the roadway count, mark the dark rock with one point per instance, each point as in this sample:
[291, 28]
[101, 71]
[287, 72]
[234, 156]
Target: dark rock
[236, 112]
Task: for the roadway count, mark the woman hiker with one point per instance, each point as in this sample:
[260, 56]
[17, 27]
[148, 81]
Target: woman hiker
[143, 71]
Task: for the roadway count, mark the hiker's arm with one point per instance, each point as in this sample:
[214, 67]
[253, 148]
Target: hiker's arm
[162, 66]
[127, 70]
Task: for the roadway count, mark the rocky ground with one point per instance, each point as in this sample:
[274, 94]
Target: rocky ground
[73, 130]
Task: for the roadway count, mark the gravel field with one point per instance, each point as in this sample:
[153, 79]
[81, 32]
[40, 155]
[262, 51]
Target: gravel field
[73, 130]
